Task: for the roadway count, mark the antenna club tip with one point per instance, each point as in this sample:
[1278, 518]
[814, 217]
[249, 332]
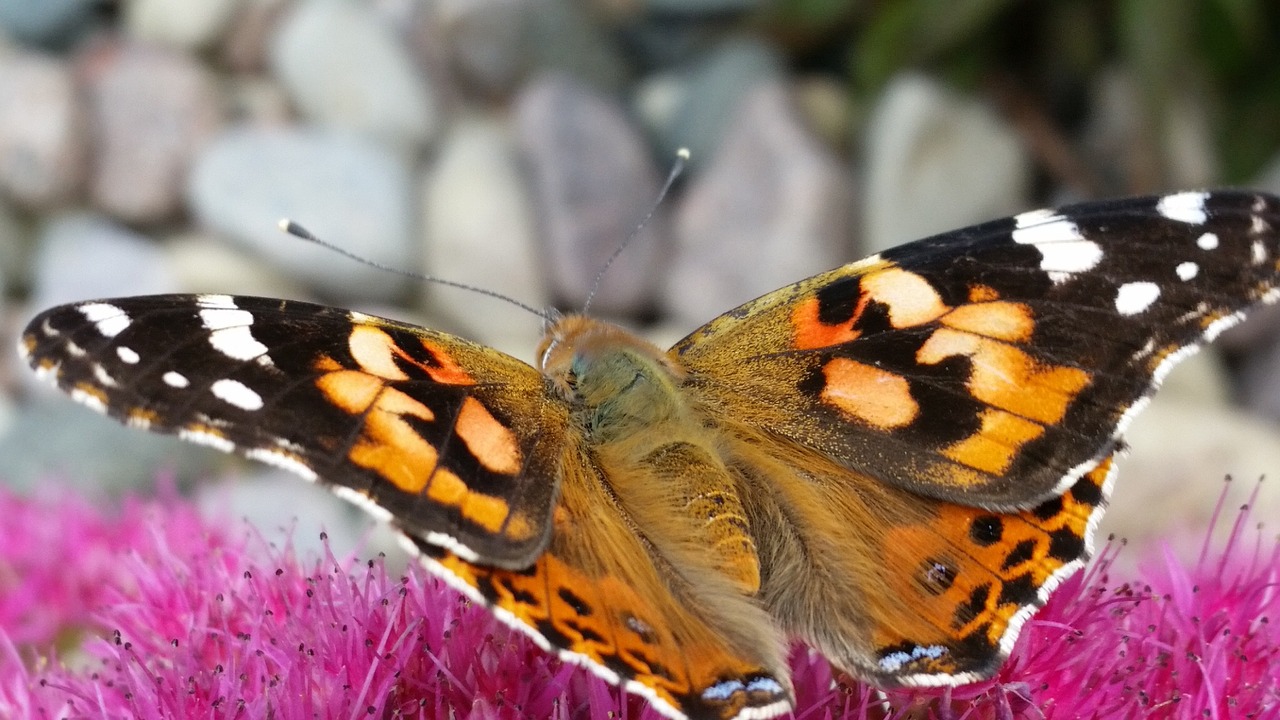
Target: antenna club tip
[683, 153]
[284, 224]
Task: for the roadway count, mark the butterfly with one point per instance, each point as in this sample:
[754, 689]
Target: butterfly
[895, 462]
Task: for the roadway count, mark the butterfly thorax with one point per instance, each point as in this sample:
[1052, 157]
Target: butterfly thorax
[663, 462]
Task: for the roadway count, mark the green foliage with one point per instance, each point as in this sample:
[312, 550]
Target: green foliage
[1221, 55]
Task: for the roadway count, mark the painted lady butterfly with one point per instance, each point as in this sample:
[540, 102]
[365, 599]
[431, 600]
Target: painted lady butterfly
[895, 461]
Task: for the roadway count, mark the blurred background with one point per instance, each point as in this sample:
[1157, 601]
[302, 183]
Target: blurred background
[151, 146]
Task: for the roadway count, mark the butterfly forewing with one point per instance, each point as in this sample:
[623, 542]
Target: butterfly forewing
[454, 442]
[994, 365]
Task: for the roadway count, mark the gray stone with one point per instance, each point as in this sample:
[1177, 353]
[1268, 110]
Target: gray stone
[257, 100]
[16, 240]
[348, 190]
[489, 43]
[825, 105]
[151, 111]
[708, 94]
[1260, 378]
[1126, 146]
[345, 70]
[54, 437]
[937, 162]
[1171, 480]
[479, 230]
[246, 43]
[1201, 378]
[206, 263]
[43, 149]
[81, 256]
[54, 24]
[770, 208]
[565, 38]
[593, 180]
[179, 23]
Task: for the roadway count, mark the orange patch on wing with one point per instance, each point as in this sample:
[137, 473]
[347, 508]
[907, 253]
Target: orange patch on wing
[387, 444]
[877, 397]
[489, 441]
[142, 416]
[449, 372]
[1005, 320]
[373, 349]
[910, 298]
[992, 448]
[377, 353]
[93, 391]
[392, 448]
[982, 293]
[488, 512]
[1008, 378]
[811, 333]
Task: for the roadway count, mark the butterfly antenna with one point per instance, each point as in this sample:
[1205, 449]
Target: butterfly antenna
[682, 156]
[302, 233]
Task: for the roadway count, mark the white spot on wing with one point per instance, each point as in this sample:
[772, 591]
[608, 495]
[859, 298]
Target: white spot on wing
[89, 400]
[75, 350]
[893, 662]
[1215, 328]
[450, 543]
[109, 319]
[1063, 250]
[1187, 270]
[363, 501]
[201, 437]
[1034, 217]
[127, 355]
[176, 380]
[236, 393]
[228, 328]
[1135, 297]
[103, 377]
[48, 373]
[225, 302]
[1187, 207]
[237, 343]
[1259, 252]
[1207, 241]
[282, 460]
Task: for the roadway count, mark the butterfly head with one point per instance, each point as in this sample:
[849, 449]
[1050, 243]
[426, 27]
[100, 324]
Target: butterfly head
[598, 365]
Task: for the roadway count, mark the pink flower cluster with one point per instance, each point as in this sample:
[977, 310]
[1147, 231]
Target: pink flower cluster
[152, 612]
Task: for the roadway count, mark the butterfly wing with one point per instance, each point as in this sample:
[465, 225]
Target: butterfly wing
[927, 436]
[996, 365]
[604, 598]
[460, 444]
[462, 448]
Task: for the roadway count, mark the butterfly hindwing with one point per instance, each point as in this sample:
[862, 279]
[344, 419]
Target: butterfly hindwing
[602, 598]
[456, 443]
[995, 365]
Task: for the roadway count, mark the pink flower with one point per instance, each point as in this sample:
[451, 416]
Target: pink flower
[151, 612]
